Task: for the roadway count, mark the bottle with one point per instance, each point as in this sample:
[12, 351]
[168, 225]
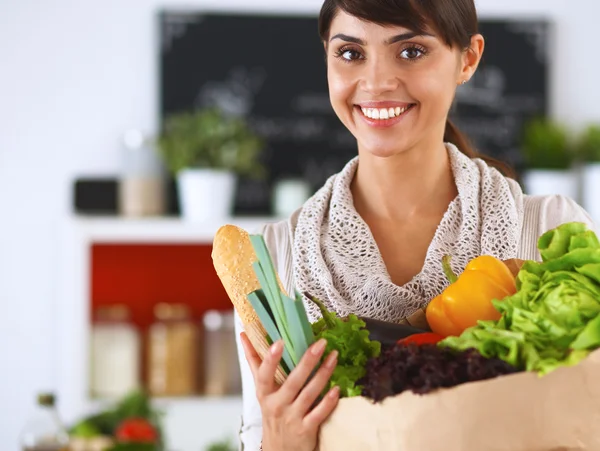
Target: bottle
[173, 345]
[115, 353]
[45, 431]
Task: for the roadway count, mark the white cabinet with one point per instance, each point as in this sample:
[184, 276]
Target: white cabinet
[190, 423]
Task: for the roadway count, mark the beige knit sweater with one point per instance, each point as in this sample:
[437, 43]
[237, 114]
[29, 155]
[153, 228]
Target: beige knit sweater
[541, 213]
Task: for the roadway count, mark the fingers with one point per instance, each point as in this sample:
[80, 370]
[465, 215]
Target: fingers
[315, 387]
[319, 414]
[252, 356]
[265, 375]
[299, 375]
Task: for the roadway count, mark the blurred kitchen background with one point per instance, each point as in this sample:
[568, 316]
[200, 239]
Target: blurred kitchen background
[110, 115]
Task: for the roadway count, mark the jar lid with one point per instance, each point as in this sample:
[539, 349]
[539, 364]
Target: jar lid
[164, 311]
[115, 312]
[46, 399]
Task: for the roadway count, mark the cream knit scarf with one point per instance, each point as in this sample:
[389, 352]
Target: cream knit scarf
[335, 256]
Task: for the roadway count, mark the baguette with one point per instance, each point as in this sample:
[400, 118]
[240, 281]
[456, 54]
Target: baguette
[233, 256]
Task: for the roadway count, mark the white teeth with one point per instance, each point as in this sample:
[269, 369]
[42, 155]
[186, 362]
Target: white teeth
[384, 113]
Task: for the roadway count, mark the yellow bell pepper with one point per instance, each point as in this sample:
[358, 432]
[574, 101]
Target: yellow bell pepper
[469, 297]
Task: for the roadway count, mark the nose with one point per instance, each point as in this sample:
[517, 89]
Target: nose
[379, 78]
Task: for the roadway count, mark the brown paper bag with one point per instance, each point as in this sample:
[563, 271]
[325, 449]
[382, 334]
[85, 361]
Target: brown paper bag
[517, 412]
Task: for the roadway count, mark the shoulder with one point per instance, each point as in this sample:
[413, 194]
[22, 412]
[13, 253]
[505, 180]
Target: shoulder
[543, 213]
[278, 237]
[279, 233]
[550, 211]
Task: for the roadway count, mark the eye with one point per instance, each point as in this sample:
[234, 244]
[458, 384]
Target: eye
[348, 54]
[412, 53]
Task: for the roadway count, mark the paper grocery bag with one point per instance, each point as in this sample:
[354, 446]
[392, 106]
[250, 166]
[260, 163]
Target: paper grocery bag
[517, 412]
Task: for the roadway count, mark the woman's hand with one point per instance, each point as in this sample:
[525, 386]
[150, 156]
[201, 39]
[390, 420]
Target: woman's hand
[290, 422]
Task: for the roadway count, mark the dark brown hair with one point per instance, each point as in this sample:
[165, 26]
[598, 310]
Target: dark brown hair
[454, 21]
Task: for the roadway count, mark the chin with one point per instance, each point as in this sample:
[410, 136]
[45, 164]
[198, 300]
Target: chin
[383, 149]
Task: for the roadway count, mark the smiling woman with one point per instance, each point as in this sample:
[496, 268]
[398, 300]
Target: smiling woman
[409, 66]
[370, 242]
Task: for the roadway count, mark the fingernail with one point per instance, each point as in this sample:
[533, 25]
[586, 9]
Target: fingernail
[334, 392]
[319, 347]
[331, 359]
[276, 348]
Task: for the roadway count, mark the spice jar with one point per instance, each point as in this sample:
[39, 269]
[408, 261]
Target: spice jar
[115, 353]
[173, 352]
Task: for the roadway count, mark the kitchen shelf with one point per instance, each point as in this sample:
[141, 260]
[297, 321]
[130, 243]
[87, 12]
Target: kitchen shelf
[156, 230]
[190, 422]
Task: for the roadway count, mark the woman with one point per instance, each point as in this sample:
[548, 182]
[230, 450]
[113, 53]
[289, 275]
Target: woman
[371, 240]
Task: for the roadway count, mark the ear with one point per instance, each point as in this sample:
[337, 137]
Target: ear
[470, 57]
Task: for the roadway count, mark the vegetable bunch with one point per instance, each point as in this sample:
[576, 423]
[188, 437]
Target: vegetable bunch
[284, 318]
[350, 338]
[423, 368]
[553, 319]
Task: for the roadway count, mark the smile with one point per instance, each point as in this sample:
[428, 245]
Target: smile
[384, 117]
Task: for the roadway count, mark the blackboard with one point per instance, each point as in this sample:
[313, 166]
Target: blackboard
[510, 86]
[271, 70]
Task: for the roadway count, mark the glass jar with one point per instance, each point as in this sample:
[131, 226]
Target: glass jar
[173, 346]
[221, 364]
[44, 431]
[142, 190]
[288, 196]
[115, 353]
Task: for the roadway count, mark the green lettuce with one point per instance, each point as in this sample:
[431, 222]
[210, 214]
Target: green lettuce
[350, 339]
[553, 319]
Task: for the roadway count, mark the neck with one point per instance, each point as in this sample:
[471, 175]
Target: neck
[414, 184]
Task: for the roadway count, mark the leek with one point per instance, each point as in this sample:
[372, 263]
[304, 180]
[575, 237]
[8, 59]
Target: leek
[284, 318]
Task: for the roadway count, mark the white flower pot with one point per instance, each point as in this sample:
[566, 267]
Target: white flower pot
[544, 182]
[591, 190]
[205, 194]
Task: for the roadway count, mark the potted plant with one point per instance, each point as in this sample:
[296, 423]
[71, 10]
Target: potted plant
[548, 159]
[206, 151]
[588, 148]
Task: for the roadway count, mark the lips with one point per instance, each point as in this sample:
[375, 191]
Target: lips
[385, 114]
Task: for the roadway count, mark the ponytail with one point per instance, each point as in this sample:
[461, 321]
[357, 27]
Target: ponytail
[453, 135]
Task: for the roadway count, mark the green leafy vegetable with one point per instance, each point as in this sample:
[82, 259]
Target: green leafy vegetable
[350, 338]
[285, 319]
[554, 318]
[282, 317]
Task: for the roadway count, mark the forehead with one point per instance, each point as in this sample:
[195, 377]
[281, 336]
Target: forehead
[347, 23]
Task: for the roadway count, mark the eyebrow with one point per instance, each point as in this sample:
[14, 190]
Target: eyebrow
[392, 40]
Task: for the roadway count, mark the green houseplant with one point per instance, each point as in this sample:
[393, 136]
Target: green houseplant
[548, 158]
[206, 151]
[588, 144]
[588, 148]
[546, 145]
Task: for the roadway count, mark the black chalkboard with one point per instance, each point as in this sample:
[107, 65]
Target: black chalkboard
[271, 70]
[510, 86]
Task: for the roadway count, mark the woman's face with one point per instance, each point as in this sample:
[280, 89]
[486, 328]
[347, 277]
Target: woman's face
[390, 87]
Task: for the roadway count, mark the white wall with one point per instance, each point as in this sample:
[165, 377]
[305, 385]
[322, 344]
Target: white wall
[73, 76]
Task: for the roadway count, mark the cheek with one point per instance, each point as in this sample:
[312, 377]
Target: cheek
[340, 90]
[434, 88]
